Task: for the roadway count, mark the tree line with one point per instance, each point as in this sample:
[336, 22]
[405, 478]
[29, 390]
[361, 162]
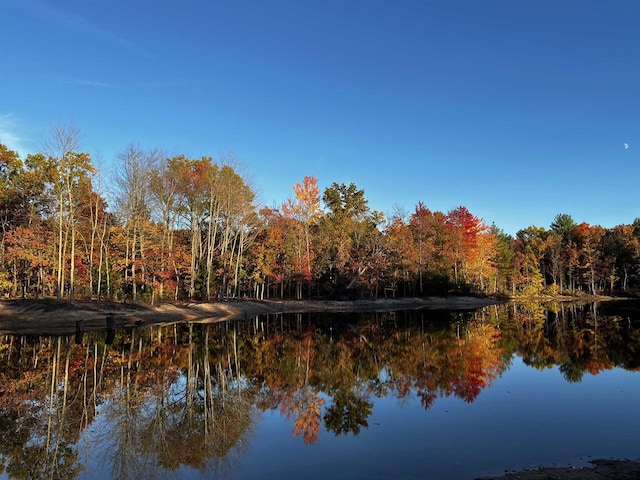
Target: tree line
[180, 228]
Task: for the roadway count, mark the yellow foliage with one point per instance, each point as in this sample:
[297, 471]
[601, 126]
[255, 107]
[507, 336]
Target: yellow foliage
[5, 284]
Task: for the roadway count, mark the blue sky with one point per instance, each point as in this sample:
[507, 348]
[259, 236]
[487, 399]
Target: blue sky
[518, 110]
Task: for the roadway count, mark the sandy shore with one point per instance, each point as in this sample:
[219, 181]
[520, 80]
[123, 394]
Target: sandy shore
[39, 317]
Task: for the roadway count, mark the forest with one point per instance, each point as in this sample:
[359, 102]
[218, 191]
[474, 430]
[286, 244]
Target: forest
[172, 228]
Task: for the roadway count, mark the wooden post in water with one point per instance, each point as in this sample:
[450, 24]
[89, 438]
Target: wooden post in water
[111, 329]
[79, 331]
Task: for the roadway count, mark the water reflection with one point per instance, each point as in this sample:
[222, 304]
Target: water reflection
[154, 401]
[578, 339]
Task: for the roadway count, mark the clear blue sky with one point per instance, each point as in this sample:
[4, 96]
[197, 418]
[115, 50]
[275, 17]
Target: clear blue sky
[518, 110]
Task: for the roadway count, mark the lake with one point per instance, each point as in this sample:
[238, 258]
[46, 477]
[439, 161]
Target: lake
[420, 394]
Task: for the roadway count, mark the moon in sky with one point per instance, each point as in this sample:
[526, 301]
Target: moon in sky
[626, 146]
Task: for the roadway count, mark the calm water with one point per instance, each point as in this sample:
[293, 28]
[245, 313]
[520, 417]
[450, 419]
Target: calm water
[406, 395]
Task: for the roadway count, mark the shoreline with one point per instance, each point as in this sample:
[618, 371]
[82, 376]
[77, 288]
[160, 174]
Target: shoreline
[48, 317]
[600, 469]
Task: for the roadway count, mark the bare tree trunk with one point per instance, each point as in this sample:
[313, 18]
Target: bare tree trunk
[102, 251]
[60, 267]
[72, 267]
[134, 288]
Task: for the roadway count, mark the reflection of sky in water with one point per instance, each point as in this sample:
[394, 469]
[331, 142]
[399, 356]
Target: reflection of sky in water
[526, 418]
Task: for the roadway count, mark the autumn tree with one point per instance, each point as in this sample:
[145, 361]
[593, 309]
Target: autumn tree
[432, 232]
[10, 172]
[163, 188]
[421, 225]
[559, 256]
[24, 203]
[236, 230]
[305, 210]
[192, 182]
[621, 247]
[28, 249]
[266, 253]
[528, 246]
[589, 238]
[404, 254]
[62, 141]
[483, 263]
[70, 175]
[95, 223]
[473, 247]
[554, 259]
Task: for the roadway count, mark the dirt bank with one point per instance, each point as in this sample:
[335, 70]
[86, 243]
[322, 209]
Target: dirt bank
[601, 470]
[49, 317]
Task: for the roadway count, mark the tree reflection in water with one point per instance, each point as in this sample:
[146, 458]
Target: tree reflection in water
[187, 396]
